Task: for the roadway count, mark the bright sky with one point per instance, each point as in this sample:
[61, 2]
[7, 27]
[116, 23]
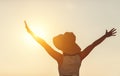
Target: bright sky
[20, 55]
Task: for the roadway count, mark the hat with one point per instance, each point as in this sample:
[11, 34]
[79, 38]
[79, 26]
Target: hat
[66, 42]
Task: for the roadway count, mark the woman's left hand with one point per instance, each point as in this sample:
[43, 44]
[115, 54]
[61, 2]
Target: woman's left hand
[112, 32]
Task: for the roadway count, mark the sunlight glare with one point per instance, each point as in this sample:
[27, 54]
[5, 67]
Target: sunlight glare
[39, 31]
[28, 39]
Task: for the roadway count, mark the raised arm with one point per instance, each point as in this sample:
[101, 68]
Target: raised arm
[87, 50]
[57, 56]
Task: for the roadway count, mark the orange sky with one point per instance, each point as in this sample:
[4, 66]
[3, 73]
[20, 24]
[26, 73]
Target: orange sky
[87, 19]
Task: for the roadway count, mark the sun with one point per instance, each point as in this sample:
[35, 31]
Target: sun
[38, 31]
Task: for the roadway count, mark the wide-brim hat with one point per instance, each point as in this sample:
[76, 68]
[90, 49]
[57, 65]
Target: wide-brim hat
[66, 42]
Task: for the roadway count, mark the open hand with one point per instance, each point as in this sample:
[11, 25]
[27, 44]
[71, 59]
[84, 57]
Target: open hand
[112, 32]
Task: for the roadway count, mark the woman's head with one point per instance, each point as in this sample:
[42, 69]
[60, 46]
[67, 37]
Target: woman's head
[66, 43]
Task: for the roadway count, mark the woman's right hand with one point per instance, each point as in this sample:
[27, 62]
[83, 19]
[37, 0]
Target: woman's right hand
[26, 26]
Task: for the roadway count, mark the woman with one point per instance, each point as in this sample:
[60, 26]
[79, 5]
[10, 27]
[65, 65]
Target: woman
[70, 60]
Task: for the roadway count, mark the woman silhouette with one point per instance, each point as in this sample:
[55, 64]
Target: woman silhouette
[70, 60]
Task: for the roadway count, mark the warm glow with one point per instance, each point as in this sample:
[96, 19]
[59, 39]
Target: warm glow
[28, 39]
[39, 31]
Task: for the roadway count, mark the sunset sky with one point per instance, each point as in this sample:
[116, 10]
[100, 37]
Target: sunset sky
[20, 55]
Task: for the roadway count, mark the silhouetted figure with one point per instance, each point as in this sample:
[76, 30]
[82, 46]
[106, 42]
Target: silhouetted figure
[70, 60]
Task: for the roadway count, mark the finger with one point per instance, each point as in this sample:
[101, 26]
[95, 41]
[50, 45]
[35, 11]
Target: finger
[114, 32]
[113, 35]
[106, 31]
[26, 24]
[112, 29]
